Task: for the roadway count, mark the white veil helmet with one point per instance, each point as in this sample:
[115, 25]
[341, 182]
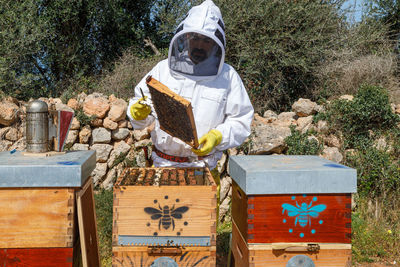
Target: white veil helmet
[197, 49]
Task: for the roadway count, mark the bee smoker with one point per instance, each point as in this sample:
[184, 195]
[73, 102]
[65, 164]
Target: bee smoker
[46, 130]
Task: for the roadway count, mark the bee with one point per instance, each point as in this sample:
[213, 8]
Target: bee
[303, 212]
[166, 215]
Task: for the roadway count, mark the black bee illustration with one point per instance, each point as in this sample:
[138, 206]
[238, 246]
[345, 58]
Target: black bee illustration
[166, 215]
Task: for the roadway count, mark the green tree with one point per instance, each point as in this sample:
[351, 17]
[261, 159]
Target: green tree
[46, 44]
[277, 45]
[387, 11]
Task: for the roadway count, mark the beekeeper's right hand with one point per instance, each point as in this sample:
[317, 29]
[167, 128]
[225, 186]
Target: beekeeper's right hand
[140, 111]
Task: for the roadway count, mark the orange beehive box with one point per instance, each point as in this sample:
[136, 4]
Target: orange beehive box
[167, 213]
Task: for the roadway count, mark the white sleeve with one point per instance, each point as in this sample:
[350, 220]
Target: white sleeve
[238, 115]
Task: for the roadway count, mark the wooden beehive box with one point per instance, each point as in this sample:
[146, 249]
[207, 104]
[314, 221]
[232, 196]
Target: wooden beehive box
[291, 200]
[288, 254]
[45, 220]
[164, 212]
[174, 112]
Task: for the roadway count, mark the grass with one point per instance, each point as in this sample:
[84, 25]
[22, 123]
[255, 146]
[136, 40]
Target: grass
[376, 231]
[104, 208]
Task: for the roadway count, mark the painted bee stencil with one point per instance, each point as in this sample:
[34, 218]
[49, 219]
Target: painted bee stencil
[166, 215]
[303, 213]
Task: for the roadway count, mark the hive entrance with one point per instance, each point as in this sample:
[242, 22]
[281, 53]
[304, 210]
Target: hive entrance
[164, 176]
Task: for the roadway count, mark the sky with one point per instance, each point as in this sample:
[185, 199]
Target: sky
[356, 8]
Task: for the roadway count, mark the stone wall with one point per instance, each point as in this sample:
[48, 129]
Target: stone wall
[100, 124]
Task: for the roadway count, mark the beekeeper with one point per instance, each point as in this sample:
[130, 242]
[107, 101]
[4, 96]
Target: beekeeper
[195, 70]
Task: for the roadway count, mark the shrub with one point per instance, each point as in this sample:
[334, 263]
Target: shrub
[126, 74]
[368, 114]
[83, 118]
[300, 144]
[378, 172]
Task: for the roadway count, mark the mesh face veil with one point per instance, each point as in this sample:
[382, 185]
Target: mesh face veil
[195, 54]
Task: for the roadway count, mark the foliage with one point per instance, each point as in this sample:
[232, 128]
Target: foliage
[127, 72]
[275, 48]
[44, 45]
[367, 114]
[378, 171]
[387, 11]
[224, 231]
[83, 118]
[300, 144]
[376, 230]
[104, 210]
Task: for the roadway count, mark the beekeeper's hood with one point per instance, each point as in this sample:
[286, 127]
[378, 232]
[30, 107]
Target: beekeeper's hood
[198, 48]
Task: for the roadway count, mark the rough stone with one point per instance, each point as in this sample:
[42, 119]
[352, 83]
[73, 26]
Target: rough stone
[96, 105]
[81, 98]
[118, 110]
[75, 124]
[97, 122]
[120, 134]
[3, 132]
[232, 151]
[304, 123]
[101, 135]
[397, 109]
[99, 173]
[102, 151]
[286, 119]
[221, 164]
[5, 145]
[110, 178]
[322, 126]
[258, 120]
[347, 97]
[122, 148]
[85, 134]
[20, 145]
[269, 139]
[223, 208]
[12, 134]
[8, 113]
[270, 116]
[73, 103]
[123, 124]
[79, 147]
[226, 183]
[332, 141]
[381, 144]
[71, 137]
[141, 134]
[304, 107]
[109, 124]
[55, 101]
[332, 153]
[61, 106]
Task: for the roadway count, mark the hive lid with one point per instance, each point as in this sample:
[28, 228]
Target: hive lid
[281, 174]
[66, 170]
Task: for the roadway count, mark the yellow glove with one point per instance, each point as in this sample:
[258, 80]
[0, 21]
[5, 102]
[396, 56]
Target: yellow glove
[140, 111]
[209, 141]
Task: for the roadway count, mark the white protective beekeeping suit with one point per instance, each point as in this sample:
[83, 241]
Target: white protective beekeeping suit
[215, 90]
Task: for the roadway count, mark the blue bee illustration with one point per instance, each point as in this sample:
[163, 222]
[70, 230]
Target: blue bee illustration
[303, 212]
